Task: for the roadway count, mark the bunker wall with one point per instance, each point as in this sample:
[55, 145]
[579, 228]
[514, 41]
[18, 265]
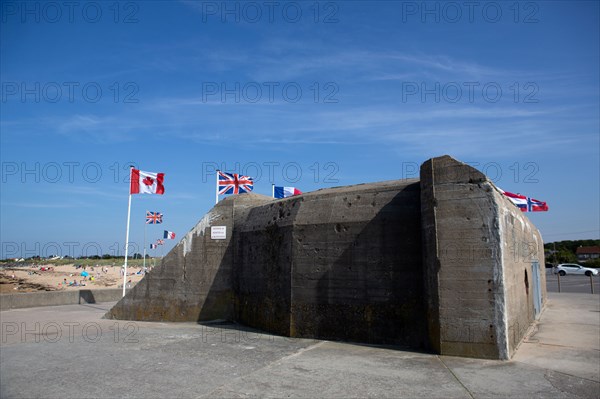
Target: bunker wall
[193, 281]
[477, 302]
[446, 264]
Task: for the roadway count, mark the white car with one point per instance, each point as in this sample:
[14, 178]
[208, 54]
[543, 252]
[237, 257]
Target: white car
[572, 268]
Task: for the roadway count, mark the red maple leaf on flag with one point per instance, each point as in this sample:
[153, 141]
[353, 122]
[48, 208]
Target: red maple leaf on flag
[148, 181]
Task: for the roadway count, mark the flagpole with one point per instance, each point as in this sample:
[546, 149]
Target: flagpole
[217, 188]
[127, 233]
[145, 224]
[273, 187]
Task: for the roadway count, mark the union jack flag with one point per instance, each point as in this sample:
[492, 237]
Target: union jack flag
[153, 217]
[160, 242]
[232, 183]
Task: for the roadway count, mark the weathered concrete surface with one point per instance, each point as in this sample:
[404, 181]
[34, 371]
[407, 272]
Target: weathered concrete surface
[55, 298]
[479, 252]
[126, 359]
[342, 263]
[194, 282]
[425, 264]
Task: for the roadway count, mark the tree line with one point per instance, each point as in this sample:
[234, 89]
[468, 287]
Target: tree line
[565, 251]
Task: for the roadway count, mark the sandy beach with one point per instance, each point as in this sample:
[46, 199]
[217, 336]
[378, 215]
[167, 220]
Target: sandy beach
[65, 277]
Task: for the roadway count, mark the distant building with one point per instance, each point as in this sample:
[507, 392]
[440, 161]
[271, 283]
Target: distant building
[587, 253]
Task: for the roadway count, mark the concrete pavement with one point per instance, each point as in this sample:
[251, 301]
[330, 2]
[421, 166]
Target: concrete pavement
[71, 352]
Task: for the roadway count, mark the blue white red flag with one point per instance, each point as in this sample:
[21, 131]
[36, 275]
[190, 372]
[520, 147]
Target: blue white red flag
[232, 183]
[153, 246]
[534, 205]
[153, 217]
[169, 235]
[284, 192]
[526, 204]
[519, 200]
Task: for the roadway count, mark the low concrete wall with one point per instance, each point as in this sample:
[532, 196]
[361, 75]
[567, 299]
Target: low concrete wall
[56, 298]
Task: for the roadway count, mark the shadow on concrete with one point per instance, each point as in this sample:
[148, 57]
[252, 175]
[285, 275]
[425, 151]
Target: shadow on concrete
[98, 306]
[262, 264]
[230, 296]
[230, 331]
[218, 303]
[373, 292]
[87, 296]
[356, 282]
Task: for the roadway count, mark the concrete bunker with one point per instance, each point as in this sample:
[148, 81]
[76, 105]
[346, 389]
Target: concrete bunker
[435, 263]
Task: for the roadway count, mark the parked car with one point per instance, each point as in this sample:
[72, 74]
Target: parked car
[572, 268]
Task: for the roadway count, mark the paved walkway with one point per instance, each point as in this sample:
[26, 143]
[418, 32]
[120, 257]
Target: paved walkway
[71, 352]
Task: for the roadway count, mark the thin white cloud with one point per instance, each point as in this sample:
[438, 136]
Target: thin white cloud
[101, 129]
[44, 205]
[91, 191]
[282, 58]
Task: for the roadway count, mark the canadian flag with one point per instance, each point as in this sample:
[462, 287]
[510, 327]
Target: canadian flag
[146, 182]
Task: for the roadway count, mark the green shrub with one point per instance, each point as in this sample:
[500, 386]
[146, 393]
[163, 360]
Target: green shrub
[591, 263]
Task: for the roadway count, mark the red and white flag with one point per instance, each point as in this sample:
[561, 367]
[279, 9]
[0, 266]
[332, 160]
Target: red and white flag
[524, 203]
[146, 182]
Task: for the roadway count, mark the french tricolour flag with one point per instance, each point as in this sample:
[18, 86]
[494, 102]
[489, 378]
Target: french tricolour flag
[169, 235]
[284, 192]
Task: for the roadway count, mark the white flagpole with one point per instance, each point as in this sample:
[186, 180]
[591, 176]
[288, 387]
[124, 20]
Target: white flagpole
[273, 186]
[217, 188]
[145, 224]
[127, 234]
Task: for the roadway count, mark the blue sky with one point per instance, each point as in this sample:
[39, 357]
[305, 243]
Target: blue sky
[305, 94]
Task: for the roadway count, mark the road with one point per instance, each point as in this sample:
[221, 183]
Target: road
[571, 283]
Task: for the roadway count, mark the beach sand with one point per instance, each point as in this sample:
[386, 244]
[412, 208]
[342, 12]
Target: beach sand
[52, 278]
